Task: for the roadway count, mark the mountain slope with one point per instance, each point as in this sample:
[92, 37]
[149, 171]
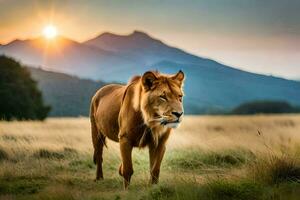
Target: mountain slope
[67, 95]
[212, 92]
[210, 86]
[141, 47]
[209, 89]
[67, 56]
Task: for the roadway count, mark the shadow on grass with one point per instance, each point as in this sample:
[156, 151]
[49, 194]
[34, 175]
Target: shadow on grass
[21, 185]
[3, 154]
[51, 154]
[218, 189]
[195, 159]
[276, 169]
[213, 190]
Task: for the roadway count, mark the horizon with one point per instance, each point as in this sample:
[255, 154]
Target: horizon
[254, 36]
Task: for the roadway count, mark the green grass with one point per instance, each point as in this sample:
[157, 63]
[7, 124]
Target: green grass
[21, 185]
[241, 189]
[69, 174]
[207, 158]
[276, 169]
[196, 159]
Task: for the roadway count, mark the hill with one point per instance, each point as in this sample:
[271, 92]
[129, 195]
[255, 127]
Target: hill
[143, 48]
[67, 56]
[259, 107]
[67, 95]
[211, 87]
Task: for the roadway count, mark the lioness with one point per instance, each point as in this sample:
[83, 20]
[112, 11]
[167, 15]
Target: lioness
[141, 113]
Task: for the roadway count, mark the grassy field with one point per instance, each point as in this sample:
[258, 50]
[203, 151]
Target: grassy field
[219, 157]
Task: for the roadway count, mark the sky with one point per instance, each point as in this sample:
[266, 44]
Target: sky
[261, 36]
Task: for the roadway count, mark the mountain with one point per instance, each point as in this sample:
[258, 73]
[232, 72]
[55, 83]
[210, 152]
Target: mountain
[67, 56]
[143, 48]
[210, 87]
[67, 95]
[70, 95]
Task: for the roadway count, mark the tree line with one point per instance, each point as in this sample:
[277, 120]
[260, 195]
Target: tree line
[20, 97]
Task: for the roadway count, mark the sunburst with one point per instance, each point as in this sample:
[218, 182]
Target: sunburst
[50, 31]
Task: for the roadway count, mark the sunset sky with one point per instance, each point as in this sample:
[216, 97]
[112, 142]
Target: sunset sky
[255, 35]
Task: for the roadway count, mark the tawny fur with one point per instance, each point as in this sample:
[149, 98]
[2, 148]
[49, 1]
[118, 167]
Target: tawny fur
[130, 113]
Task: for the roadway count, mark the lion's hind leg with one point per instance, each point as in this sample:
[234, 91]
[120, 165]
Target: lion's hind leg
[98, 156]
[98, 143]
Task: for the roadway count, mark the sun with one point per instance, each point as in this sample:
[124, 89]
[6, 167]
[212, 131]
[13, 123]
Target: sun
[50, 32]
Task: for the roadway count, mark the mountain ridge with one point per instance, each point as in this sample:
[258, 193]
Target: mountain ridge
[67, 95]
[210, 85]
[65, 56]
[137, 44]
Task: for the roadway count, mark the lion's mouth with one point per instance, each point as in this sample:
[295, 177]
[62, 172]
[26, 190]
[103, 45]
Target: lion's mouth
[169, 122]
[165, 122]
[173, 124]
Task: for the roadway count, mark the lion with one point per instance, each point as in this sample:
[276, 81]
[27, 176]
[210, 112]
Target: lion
[139, 114]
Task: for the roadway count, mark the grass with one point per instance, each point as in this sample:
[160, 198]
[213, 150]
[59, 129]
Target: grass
[197, 159]
[53, 160]
[223, 189]
[3, 154]
[21, 185]
[50, 154]
[276, 169]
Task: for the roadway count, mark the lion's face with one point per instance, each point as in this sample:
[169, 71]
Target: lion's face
[162, 97]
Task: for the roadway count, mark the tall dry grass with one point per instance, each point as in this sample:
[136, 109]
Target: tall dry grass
[212, 157]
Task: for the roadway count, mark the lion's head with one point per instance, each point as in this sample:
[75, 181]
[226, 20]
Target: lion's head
[161, 99]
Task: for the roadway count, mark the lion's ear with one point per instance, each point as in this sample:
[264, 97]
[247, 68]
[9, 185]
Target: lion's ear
[179, 76]
[148, 80]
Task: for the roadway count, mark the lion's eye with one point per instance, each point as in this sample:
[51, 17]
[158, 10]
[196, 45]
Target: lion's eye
[180, 97]
[163, 97]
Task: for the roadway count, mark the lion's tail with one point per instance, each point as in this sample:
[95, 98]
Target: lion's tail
[97, 137]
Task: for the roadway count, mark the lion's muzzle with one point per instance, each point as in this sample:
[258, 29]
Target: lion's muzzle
[174, 122]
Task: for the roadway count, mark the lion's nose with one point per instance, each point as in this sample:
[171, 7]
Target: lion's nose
[177, 114]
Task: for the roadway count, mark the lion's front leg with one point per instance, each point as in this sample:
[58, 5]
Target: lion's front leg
[156, 155]
[126, 169]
